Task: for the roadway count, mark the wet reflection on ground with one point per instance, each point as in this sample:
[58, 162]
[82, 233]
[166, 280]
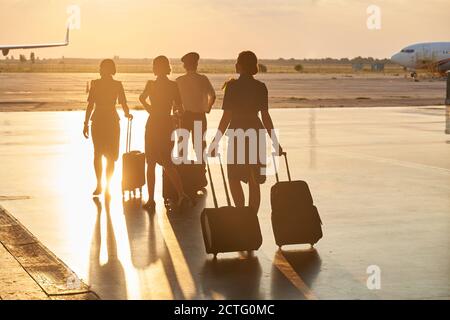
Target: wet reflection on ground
[377, 176]
[106, 265]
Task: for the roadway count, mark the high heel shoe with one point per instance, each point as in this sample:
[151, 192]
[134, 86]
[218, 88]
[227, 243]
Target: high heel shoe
[97, 191]
[150, 205]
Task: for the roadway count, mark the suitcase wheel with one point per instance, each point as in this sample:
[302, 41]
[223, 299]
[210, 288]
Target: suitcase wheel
[167, 206]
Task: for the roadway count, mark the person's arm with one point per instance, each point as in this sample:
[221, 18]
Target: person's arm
[177, 103]
[268, 124]
[224, 122]
[126, 110]
[211, 101]
[211, 95]
[123, 102]
[267, 120]
[229, 103]
[87, 117]
[90, 107]
[143, 98]
[223, 125]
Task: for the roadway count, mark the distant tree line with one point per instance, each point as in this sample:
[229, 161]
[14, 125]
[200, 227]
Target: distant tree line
[359, 59]
[263, 62]
[23, 58]
[262, 68]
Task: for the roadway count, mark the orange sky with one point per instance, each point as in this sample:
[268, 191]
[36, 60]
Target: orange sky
[222, 28]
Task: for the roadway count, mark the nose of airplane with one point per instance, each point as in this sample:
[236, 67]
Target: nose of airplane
[396, 58]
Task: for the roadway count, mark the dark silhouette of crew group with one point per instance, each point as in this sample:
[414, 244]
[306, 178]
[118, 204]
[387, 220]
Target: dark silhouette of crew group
[190, 97]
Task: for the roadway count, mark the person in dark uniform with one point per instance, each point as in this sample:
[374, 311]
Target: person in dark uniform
[103, 96]
[244, 99]
[198, 97]
[164, 98]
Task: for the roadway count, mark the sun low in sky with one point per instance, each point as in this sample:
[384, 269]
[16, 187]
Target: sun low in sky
[222, 28]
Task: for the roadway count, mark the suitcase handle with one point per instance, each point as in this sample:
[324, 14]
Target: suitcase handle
[212, 184]
[224, 182]
[287, 166]
[128, 145]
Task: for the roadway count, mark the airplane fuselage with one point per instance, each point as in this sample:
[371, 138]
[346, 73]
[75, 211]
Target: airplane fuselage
[432, 56]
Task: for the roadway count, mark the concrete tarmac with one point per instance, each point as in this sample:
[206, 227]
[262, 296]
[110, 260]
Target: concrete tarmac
[379, 177]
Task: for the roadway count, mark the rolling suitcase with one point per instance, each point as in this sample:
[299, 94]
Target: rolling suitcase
[193, 175]
[295, 219]
[193, 178]
[229, 229]
[133, 167]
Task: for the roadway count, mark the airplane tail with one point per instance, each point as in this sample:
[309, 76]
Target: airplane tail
[67, 36]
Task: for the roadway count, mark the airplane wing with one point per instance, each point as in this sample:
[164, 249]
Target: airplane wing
[5, 48]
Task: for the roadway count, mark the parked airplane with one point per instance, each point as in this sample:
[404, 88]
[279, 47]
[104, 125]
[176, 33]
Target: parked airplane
[430, 56]
[6, 48]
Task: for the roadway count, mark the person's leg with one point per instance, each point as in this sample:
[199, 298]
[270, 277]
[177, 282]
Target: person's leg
[254, 193]
[198, 143]
[98, 172]
[237, 192]
[174, 177]
[110, 164]
[187, 124]
[204, 128]
[151, 164]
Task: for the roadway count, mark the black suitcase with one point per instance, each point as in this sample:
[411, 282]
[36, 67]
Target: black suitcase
[229, 229]
[133, 167]
[193, 178]
[192, 174]
[295, 219]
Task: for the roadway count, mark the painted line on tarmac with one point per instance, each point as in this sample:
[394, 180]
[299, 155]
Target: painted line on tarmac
[12, 198]
[286, 269]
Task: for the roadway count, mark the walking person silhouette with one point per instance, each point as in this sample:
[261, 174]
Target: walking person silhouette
[244, 99]
[105, 131]
[164, 98]
[198, 97]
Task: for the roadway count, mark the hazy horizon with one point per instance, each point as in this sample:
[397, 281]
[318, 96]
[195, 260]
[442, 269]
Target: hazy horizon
[221, 29]
[229, 59]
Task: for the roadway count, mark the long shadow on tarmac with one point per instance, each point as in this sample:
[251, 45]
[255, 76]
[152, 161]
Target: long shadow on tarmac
[232, 278]
[224, 278]
[229, 277]
[305, 263]
[148, 246]
[142, 238]
[111, 274]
